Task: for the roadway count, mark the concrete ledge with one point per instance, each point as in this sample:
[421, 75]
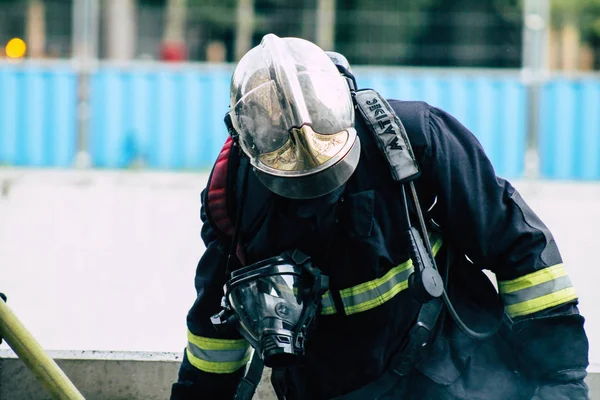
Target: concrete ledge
[102, 375]
[110, 375]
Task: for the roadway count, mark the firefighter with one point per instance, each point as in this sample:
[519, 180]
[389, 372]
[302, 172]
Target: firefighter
[398, 206]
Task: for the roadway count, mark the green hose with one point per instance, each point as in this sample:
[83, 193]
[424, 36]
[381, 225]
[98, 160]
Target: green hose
[34, 356]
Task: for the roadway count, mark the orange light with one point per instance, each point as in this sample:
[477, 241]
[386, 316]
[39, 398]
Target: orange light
[15, 48]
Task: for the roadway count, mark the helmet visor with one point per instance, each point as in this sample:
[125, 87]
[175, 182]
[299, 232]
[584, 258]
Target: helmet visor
[305, 150]
[268, 124]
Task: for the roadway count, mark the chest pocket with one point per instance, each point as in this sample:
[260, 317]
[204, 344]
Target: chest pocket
[359, 214]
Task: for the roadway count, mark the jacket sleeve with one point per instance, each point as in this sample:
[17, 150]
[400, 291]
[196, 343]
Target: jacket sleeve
[488, 220]
[213, 363]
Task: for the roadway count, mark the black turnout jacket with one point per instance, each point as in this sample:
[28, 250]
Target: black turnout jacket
[484, 223]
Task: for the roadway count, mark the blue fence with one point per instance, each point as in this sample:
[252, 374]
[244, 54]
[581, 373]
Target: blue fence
[570, 129]
[37, 116]
[491, 106]
[171, 117]
[167, 118]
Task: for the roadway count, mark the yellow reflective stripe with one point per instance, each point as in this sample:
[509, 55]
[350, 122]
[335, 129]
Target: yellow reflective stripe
[436, 247]
[370, 285]
[535, 278]
[363, 287]
[377, 301]
[217, 356]
[213, 367]
[206, 343]
[327, 306]
[330, 310]
[351, 297]
[542, 302]
[537, 291]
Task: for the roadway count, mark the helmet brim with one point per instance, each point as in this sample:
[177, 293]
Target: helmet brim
[314, 185]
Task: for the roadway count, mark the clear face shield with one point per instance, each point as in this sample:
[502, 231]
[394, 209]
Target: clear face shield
[294, 115]
[272, 304]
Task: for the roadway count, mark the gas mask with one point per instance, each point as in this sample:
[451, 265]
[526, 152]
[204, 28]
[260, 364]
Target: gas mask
[272, 304]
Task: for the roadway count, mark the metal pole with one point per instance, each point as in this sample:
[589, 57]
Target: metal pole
[175, 27]
[120, 32]
[244, 27]
[36, 29]
[35, 358]
[325, 24]
[536, 18]
[85, 56]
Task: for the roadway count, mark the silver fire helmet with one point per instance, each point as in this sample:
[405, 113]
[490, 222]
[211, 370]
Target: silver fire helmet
[295, 118]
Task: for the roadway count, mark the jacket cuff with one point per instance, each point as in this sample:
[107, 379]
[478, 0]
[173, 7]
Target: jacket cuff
[577, 390]
[551, 346]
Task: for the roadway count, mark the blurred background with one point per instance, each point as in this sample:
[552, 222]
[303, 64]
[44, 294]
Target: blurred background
[130, 83]
[111, 118]
[465, 33]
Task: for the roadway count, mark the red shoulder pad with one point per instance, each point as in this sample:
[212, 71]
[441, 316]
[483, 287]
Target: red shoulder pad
[216, 205]
[217, 201]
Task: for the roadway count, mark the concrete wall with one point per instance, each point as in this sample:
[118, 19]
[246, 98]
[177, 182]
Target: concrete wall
[124, 376]
[104, 376]
[97, 376]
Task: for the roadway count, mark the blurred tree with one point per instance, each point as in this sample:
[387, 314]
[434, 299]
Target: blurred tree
[223, 21]
[211, 23]
[391, 27]
[465, 33]
[214, 11]
[9, 25]
[471, 33]
[431, 32]
[576, 33]
[24, 19]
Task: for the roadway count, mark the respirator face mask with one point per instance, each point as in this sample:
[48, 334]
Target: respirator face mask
[272, 304]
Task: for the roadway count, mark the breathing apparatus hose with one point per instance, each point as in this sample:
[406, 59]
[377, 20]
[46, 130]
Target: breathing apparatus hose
[35, 358]
[453, 313]
[344, 68]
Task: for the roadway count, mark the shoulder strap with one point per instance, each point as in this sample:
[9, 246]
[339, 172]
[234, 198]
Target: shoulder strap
[390, 135]
[250, 381]
[383, 123]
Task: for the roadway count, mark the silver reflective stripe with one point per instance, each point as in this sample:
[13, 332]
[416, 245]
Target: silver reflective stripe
[217, 355]
[538, 290]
